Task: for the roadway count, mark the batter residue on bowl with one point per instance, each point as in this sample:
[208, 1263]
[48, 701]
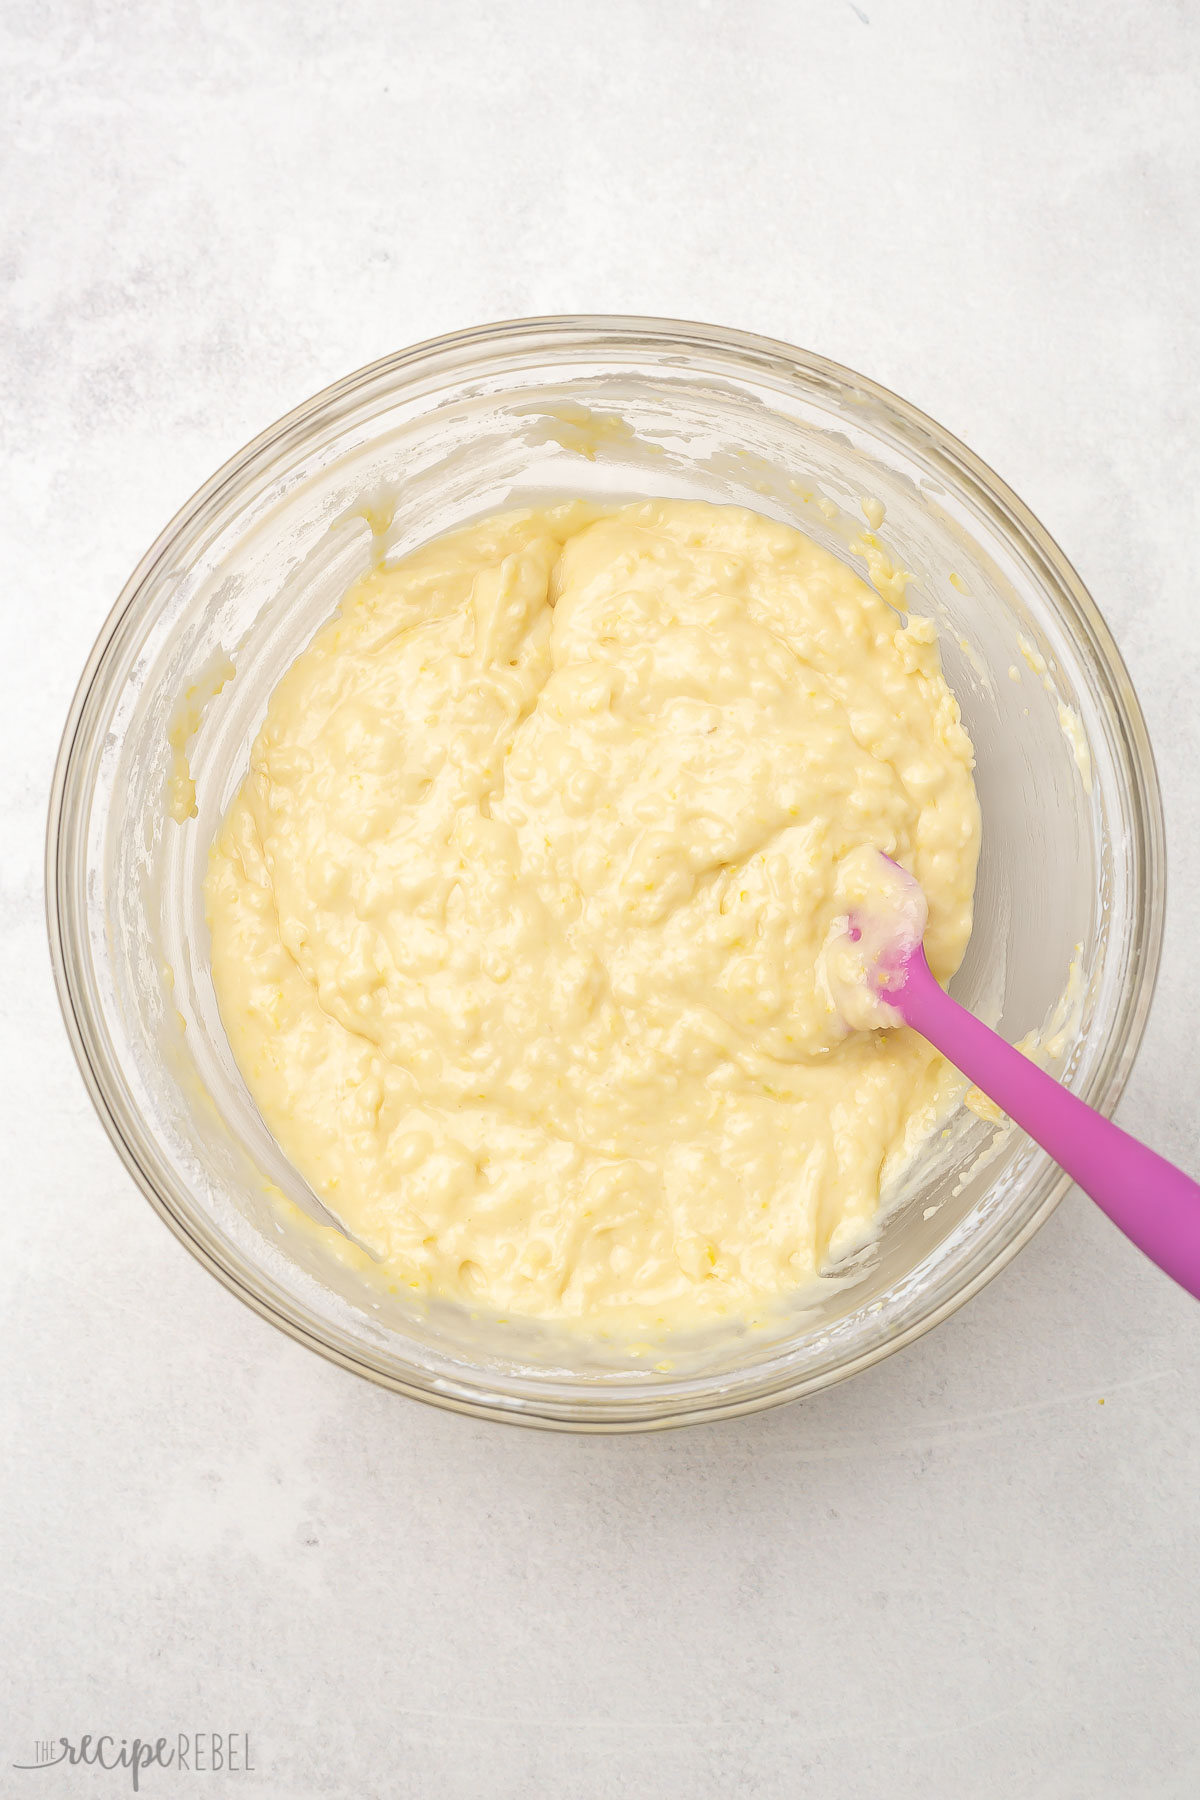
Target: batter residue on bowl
[516, 920]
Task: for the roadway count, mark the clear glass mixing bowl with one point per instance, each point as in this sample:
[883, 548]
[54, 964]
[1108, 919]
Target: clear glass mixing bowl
[423, 441]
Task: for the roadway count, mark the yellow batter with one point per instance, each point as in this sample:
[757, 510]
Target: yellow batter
[517, 919]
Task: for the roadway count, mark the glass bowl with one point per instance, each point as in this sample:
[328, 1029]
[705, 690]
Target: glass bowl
[1069, 903]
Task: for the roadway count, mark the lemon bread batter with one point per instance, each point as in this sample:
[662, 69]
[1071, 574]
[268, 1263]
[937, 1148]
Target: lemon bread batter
[517, 918]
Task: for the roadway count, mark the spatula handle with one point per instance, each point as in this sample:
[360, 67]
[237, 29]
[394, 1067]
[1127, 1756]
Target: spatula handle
[1154, 1203]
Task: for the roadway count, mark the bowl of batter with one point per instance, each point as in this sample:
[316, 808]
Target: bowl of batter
[451, 821]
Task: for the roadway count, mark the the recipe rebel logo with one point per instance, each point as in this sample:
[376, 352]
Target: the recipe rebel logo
[192, 1752]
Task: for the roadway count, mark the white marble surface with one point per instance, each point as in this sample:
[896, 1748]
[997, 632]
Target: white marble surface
[959, 1574]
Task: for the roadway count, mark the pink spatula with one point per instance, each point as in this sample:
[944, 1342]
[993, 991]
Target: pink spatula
[879, 946]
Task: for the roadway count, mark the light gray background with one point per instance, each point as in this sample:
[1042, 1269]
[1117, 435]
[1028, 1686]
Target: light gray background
[959, 1574]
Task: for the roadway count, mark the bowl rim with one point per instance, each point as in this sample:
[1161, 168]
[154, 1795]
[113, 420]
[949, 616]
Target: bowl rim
[449, 351]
